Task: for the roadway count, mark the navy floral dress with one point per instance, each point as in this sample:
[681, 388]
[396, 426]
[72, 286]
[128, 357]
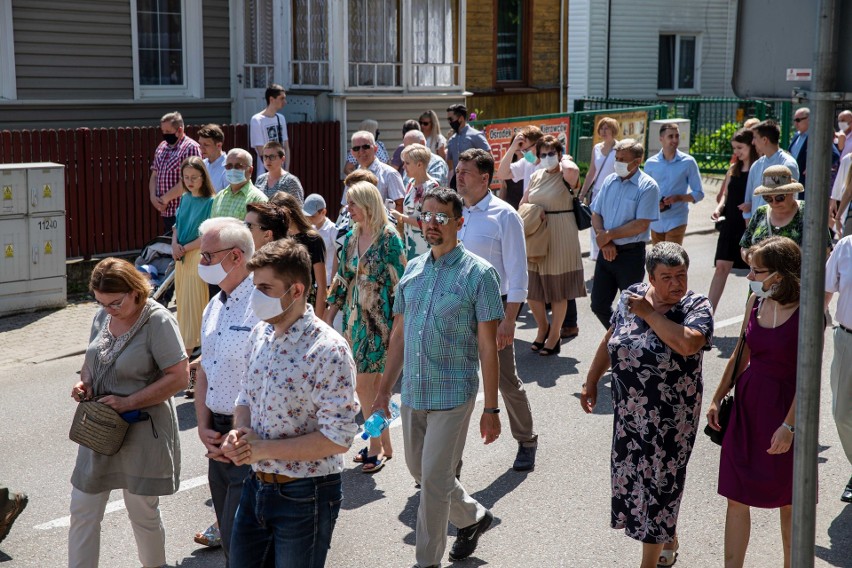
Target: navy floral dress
[656, 397]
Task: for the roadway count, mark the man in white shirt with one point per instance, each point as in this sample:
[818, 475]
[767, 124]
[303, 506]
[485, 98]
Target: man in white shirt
[210, 139]
[315, 210]
[493, 230]
[226, 247]
[269, 125]
[390, 182]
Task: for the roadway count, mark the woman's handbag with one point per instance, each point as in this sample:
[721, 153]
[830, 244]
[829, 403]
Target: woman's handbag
[582, 212]
[727, 404]
[98, 427]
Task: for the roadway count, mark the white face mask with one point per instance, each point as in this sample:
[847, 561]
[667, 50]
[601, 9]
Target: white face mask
[757, 288]
[844, 126]
[213, 273]
[549, 162]
[235, 176]
[267, 307]
[622, 169]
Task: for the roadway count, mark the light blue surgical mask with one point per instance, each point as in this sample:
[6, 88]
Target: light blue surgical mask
[530, 156]
[235, 176]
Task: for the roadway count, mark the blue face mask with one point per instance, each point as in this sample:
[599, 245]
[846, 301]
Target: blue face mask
[530, 156]
[235, 176]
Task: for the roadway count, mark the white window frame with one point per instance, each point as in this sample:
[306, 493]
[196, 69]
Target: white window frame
[294, 63]
[193, 56]
[696, 88]
[8, 81]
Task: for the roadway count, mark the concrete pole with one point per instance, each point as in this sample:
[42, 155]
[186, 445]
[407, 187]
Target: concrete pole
[811, 325]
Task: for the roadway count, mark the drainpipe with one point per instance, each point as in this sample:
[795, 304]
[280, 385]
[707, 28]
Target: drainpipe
[608, 34]
[561, 56]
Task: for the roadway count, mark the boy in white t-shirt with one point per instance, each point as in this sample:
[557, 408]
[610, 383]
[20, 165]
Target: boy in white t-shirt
[268, 125]
[315, 210]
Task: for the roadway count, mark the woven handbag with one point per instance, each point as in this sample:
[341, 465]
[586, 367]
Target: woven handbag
[98, 427]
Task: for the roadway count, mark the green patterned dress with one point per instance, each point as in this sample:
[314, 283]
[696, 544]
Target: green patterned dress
[363, 289]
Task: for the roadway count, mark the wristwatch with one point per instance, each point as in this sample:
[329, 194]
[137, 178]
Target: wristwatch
[792, 429]
[491, 410]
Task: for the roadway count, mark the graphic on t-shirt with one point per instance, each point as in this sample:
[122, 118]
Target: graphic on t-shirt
[273, 132]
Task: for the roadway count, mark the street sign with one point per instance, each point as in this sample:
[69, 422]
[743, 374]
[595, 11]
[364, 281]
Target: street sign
[774, 49]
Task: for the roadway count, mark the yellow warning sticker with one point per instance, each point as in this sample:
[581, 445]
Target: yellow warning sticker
[10, 251]
[47, 191]
[7, 193]
[48, 247]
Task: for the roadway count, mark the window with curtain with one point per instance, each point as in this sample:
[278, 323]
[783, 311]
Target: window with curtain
[374, 43]
[310, 43]
[510, 40]
[161, 42]
[676, 64]
[259, 68]
[434, 43]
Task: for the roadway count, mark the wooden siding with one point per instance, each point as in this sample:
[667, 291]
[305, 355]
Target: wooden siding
[72, 50]
[217, 49]
[508, 105]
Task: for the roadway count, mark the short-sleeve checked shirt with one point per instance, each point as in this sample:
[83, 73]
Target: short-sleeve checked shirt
[230, 204]
[443, 301]
[167, 160]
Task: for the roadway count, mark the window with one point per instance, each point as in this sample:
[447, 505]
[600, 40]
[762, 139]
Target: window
[677, 64]
[310, 43]
[166, 36]
[512, 20]
[374, 54]
[259, 54]
[434, 43]
[8, 82]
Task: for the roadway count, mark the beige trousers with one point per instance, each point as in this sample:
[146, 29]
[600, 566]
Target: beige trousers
[434, 442]
[515, 399]
[841, 388]
[84, 536]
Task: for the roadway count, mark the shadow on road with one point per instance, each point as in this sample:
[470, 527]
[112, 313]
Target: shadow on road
[725, 345]
[604, 402]
[360, 489]
[186, 414]
[544, 371]
[201, 558]
[4, 557]
[840, 533]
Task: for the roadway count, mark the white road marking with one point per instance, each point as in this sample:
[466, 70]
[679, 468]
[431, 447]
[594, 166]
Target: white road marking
[727, 322]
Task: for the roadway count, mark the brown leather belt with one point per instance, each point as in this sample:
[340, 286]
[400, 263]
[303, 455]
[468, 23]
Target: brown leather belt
[274, 477]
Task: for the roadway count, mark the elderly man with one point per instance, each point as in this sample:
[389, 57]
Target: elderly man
[766, 137]
[226, 247]
[390, 182]
[165, 170]
[232, 201]
[436, 168]
[465, 138]
[295, 416]
[679, 180]
[438, 358]
[622, 213]
[493, 230]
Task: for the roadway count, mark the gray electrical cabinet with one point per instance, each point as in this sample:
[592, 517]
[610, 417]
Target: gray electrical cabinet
[32, 237]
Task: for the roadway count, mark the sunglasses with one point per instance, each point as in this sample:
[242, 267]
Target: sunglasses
[208, 256]
[424, 123]
[800, 119]
[250, 226]
[361, 147]
[440, 218]
[547, 154]
[235, 166]
[775, 198]
[270, 157]
[113, 306]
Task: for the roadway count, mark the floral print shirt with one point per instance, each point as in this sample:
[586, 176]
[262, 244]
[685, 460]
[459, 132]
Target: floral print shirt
[760, 229]
[299, 383]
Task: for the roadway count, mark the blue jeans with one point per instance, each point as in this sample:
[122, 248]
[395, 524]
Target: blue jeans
[285, 525]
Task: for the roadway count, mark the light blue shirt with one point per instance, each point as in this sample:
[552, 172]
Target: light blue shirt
[755, 176]
[674, 177]
[437, 168]
[216, 169]
[621, 201]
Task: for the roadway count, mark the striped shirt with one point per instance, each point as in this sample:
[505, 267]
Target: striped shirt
[230, 204]
[167, 160]
[443, 301]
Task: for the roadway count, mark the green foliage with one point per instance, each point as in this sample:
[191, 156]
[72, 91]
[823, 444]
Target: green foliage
[718, 142]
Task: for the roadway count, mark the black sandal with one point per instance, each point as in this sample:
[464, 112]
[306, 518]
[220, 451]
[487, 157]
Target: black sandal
[361, 456]
[548, 351]
[539, 345]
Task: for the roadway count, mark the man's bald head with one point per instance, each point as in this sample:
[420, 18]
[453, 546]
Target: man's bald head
[413, 137]
[845, 116]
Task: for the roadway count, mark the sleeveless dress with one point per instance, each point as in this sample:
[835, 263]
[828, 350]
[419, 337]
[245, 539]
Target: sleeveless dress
[732, 228]
[762, 397]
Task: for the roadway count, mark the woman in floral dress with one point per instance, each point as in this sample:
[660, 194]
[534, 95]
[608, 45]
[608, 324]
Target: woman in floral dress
[371, 263]
[654, 348]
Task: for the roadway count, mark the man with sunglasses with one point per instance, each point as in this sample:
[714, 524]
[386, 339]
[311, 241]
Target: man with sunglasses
[446, 313]
[226, 247]
[232, 201]
[390, 182]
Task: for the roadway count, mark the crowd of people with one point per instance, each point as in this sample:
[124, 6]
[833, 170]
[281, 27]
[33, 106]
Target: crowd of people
[293, 325]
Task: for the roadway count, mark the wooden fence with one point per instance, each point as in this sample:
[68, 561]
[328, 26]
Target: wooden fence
[107, 207]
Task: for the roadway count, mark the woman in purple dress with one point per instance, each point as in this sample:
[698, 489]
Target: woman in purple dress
[654, 348]
[756, 468]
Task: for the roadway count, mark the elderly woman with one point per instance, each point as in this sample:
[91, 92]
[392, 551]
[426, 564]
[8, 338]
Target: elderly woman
[415, 160]
[557, 278]
[756, 468]
[276, 177]
[601, 166]
[654, 350]
[371, 262]
[135, 361]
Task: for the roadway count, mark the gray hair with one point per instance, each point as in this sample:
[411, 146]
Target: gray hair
[173, 118]
[414, 137]
[804, 110]
[364, 134]
[240, 153]
[369, 125]
[231, 233]
[634, 147]
[667, 254]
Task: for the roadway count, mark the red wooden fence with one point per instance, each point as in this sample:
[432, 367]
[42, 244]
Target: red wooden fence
[107, 208]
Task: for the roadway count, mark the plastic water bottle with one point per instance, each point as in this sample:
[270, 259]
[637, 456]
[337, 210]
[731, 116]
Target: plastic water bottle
[376, 423]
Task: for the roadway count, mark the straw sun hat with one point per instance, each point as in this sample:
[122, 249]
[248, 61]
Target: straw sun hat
[778, 180]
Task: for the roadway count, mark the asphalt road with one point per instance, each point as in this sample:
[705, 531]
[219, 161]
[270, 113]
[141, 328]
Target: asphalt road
[556, 516]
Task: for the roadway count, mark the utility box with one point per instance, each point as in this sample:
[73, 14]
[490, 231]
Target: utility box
[32, 237]
[683, 126]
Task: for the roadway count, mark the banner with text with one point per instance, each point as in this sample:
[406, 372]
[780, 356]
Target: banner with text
[631, 125]
[500, 134]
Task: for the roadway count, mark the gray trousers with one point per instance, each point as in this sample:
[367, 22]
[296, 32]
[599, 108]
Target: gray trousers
[226, 486]
[515, 399]
[841, 388]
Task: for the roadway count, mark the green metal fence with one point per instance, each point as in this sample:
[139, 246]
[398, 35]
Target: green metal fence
[583, 125]
[713, 122]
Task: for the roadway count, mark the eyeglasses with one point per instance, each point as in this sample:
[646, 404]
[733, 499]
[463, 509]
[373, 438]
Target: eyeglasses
[250, 226]
[235, 166]
[113, 306]
[361, 147]
[801, 118]
[208, 256]
[425, 123]
[547, 154]
[270, 157]
[191, 179]
[440, 218]
[775, 198]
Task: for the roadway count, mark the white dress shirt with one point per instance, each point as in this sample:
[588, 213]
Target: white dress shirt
[838, 278]
[493, 230]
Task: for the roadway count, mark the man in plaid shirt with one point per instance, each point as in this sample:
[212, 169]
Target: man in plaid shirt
[165, 170]
[446, 312]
